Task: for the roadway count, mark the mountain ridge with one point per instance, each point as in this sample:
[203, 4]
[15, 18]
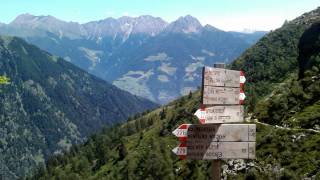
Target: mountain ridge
[144, 55]
[22, 18]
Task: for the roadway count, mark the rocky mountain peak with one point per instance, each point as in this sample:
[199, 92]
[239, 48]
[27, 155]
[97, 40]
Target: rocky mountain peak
[186, 24]
[211, 28]
[23, 18]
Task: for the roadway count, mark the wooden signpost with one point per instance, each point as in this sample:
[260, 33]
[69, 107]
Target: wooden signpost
[222, 96]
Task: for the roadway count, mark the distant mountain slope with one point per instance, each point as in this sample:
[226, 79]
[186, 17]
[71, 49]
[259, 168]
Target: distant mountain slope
[136, 53]
[168, 65]
[51, 104]
[250, 37]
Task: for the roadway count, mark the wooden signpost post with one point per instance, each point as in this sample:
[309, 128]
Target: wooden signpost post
[212, 139]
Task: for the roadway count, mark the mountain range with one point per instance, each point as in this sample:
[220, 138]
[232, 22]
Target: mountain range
[50, 104]
[283, 89]
[144, 55]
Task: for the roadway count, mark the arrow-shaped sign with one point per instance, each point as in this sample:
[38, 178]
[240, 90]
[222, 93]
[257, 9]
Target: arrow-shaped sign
[220, 114]
[216, 132]
[181, 151]
[216, 150]
[223, 77]
[222, 95]
[181, 132]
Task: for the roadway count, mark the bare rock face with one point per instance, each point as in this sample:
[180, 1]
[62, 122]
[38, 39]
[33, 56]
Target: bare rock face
[186, 24]
[309, 45]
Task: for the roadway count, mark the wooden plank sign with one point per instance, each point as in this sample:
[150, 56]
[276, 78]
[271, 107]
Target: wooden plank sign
[222, 95]
[216, 132]
[221, 132]
[220, 114]
[222, 77]
[216, 150]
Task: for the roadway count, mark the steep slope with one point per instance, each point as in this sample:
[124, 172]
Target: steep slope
[250, 37]
[135, 53]
[296, 103]
[141, 149]
[272, 59]
[51, 104]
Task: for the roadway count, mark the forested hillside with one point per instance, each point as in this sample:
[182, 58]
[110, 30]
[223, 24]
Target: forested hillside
[141, 149]
[274, 58]
[49, 104]
[296, 102]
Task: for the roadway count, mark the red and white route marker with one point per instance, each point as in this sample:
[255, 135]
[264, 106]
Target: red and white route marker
[242, 78]
[201, 114]
[181, 151]
[242, 96]
[182, 132]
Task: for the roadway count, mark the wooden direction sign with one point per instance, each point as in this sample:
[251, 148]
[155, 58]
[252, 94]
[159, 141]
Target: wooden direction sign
[222, 77]
[216, 150]
[222, 95]
[212, 139]
[221, 132]
[220, 114]
[195, 133]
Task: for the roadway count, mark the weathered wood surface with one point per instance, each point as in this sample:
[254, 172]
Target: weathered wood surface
[221, 77]
[220, 95]
[216, 150]
[221, 132]
[221, 150]
[220, 114]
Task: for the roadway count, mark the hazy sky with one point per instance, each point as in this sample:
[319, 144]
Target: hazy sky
[224, 14]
